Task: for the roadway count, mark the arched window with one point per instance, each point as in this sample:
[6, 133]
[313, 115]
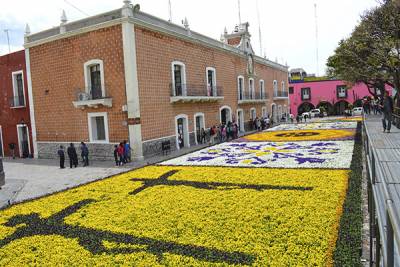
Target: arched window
[251, 89]
[283, 86]
[178, 84]
[94, 78]
[240, 87]
[262, 89]
[275, 87]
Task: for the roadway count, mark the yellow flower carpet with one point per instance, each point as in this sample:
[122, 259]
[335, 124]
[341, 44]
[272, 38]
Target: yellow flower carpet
[183, 216]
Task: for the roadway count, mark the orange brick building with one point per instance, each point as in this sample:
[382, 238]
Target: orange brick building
[127, 75]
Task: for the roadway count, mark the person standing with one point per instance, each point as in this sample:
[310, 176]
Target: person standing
[121, 153]
[116, 155]
[202, 136]
[85, 154]
[127, 152]
[12, 148]
[387, 108]
[61, 155]
[73, 157]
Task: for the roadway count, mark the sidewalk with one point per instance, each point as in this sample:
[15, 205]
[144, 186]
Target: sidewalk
[32, 178]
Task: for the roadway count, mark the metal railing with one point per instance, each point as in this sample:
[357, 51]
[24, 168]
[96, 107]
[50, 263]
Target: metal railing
[91, 94]
[254, 96]
[195, 90]
[384, 216]
[280, 94]
[17, 101]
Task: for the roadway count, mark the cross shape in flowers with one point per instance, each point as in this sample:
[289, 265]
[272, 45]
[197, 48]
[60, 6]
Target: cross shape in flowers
[163, 180]
[92, 239]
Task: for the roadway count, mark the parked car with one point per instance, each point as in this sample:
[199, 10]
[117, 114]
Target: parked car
[357, 111]
[315, 113]
[2, 176]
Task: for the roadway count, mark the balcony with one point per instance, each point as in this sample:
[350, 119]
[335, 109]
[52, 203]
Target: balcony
[280, 95]
[92, 99]
[187, 93]
[17, 102]
[247, 98]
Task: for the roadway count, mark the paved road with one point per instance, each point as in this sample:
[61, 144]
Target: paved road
[32, 178]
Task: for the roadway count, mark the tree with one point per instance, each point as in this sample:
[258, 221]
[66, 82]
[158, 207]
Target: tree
[371, 55]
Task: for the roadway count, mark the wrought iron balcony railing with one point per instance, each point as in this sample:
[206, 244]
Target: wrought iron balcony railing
[17, 101]
[195, 90]
[246, 96]
[280, 94]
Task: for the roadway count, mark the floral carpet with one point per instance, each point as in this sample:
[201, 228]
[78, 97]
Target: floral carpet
[255, 203]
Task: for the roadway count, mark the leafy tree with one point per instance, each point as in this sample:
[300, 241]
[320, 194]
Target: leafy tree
[371, 55]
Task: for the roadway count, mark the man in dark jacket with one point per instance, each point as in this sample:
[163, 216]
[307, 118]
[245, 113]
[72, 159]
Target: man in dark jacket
[85, 154]
[73, 157]
[61, 154]
[387, 108]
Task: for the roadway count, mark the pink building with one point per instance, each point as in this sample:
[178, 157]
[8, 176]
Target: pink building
[333, 95]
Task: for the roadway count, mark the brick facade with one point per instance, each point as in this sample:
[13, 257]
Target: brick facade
[11, 116]
[57, 71]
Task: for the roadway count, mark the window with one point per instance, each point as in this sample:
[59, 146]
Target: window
[241, 87]
[251, 88]
[18, 89]
[262, 90]
[275, 87]
[211, 82]
[291, 90]
[283, 86]
[341, 91]
[178, 79]
[305, 93]
[94, 79]
[98, 127]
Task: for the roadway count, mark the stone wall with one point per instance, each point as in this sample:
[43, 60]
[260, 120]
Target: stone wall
[48, 150]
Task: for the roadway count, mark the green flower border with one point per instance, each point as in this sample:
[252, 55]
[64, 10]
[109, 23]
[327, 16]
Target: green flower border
[348, 245]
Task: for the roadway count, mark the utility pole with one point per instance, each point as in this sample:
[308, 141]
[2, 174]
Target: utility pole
[8, 40]
[316, 37]
[259, 28]
[240, 19]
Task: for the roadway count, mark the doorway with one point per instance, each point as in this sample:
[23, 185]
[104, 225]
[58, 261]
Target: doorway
[182, 131]
[23, 140]
[225, 115]
[198, 125]
[1, 143]
[240, 120]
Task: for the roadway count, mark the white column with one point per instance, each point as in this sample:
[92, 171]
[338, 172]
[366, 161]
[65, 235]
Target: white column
[31, 105]
[132, 89]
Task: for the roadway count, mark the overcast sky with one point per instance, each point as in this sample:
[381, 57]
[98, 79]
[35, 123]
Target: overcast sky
[287, 26]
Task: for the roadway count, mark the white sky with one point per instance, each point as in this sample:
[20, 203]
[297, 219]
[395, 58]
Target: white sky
[287, 26]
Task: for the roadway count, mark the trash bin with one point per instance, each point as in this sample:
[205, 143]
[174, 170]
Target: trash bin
[2, 178]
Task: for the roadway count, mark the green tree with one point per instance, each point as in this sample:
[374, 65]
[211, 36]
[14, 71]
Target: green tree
[371, 55]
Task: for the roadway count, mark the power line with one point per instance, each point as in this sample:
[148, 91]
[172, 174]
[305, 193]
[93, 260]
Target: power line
[316, 37]
[80, 10]
[8, 40]
[170, 10]
[240, 19]
[259, 28]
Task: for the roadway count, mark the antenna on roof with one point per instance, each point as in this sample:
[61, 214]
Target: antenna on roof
[259, 28]
[80, 10]
[316, 37]
[240, 19]
[170, 10]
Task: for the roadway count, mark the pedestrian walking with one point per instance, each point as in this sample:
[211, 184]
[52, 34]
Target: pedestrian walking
[387, 108]
[85, 154]
[72, 155]
[12, 148]
[61, 155]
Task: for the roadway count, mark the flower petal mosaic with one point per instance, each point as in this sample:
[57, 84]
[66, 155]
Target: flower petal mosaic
[300, 135]
[201, 209]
